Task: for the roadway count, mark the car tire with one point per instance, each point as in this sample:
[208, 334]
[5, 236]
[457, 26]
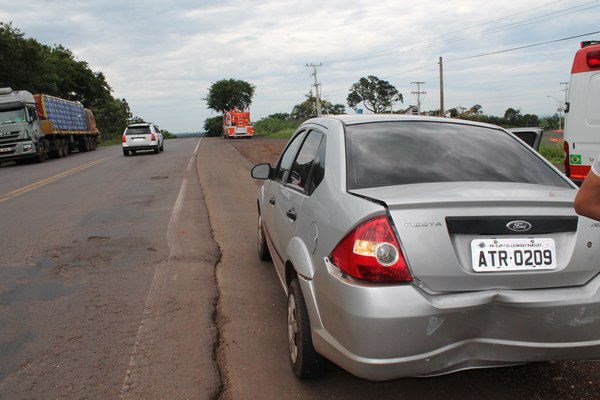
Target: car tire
[162, 146]
[156, 149]
[263, 249]
[125, 152]
[306, 362]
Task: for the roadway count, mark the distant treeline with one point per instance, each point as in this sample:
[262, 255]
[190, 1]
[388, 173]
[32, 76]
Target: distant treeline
[26, 64]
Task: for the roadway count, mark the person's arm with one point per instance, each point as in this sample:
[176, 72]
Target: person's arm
[587, 200]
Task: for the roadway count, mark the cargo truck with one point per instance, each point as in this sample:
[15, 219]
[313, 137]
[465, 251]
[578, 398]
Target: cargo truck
[35, 127]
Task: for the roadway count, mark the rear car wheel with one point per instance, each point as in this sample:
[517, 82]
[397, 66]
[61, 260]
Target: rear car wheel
[263, 250]
[156, 149]
[306, 362]
[125, 152]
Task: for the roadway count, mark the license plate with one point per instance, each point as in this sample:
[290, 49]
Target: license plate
[493, 255]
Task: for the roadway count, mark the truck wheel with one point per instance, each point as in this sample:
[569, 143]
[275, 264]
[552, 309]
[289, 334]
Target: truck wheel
[60, 148]
[82, 145]
[42, 151]
[306, 362]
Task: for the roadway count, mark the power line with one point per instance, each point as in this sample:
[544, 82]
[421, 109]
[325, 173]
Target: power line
[430, 41]
[523, 47]
[480, 55]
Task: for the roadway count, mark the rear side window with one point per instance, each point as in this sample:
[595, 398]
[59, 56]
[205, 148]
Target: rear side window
[138, 130]
[398, 153]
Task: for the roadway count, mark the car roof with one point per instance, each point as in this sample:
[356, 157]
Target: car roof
[355, 119]
[139, 125]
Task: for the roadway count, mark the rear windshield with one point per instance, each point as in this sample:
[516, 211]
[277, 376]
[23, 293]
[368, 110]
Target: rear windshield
[398, 153]
[138, 130]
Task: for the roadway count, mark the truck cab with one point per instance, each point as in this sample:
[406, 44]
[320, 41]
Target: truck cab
[20, 134]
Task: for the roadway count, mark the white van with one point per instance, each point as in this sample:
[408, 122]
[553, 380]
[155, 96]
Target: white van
[582, 118]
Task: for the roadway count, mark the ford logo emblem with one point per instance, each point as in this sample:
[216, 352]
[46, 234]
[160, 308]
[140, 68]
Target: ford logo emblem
[519, 226]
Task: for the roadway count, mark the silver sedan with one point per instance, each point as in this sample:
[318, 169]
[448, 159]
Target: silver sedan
[414, 246]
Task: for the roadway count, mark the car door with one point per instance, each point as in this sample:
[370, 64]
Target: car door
[292, 190]
[531, 136]
[277, 197]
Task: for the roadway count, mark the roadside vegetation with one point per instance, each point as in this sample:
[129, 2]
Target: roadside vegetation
[55, 71]
[553, 153]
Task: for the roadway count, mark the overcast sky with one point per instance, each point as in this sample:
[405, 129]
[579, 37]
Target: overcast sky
[162, 56]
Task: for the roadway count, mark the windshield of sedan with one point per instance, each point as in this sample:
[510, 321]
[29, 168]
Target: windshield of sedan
[398, 153]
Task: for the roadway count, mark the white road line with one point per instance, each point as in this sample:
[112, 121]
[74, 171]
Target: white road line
[158, 283]
[191, 163]
[174, 245]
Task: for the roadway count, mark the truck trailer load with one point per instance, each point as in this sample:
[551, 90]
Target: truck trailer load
[236, 124]
[40, 126]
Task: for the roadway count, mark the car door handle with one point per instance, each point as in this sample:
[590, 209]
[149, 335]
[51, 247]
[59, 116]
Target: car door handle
[291, 214]
[272, 201]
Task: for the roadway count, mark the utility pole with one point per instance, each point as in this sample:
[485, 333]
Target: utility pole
[560, 110]
[317, 86]
[441, 88]
[566, 89]
[418, 94]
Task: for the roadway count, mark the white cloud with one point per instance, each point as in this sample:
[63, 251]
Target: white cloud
[163, 56]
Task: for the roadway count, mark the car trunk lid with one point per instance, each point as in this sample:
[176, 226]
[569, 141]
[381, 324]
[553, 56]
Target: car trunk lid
[441, 226]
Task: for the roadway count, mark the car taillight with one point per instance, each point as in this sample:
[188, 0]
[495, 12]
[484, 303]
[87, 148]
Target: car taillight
[123, 139]
[371, 252]
[567, 159]
[593, 59]
[153, 137]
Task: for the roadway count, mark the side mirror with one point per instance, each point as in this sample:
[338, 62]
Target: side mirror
[31, 115]
[261, 171]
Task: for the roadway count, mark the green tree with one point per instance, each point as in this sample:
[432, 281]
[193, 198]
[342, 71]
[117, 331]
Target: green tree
[512, 116]
[213, 126]
[308, 108]
[112, 117]
[281, 116]
[226, 94]
[377, 95]
[25, 64]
